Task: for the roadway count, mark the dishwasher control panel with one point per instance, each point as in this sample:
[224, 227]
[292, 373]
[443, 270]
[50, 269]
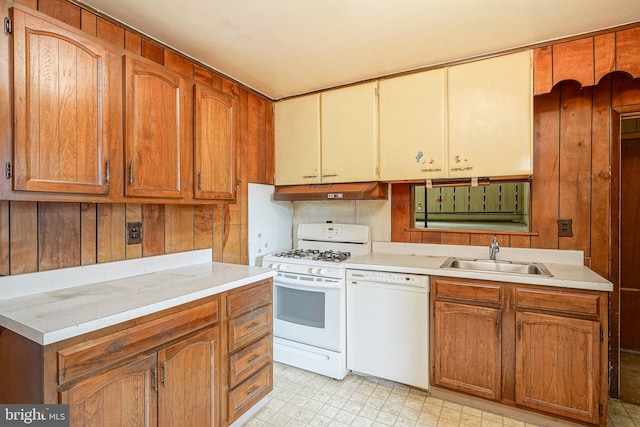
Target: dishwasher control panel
[386, 277]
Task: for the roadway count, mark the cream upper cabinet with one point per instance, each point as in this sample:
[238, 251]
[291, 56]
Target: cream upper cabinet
[413, 126]
[297, 140]
[490, 115]
[349, 134]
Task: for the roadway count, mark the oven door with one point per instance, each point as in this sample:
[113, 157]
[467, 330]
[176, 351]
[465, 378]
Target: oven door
[310, 310]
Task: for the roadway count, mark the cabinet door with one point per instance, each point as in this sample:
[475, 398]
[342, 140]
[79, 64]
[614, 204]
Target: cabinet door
[297, 140]
[468, 349]
[490, 117]
[188, 376]
[349, 134]
[216, 118]
[558, 365]
[61, 97]
[118, 397]
[412, 126]
[153, 130]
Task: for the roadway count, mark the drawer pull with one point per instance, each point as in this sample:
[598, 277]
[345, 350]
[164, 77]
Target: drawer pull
[253, 390]
[253, 325]
[253, 358]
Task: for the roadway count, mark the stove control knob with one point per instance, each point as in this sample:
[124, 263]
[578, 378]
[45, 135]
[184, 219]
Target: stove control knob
[311, 270]
[319, 271]
[275, 266]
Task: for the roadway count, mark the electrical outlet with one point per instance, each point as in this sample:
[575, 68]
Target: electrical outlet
[134, 233]
[564, 228]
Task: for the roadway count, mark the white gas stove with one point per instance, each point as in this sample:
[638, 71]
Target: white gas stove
[309, 325]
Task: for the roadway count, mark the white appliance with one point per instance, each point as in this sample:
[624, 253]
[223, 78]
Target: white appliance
[388, 326]
[309, 298]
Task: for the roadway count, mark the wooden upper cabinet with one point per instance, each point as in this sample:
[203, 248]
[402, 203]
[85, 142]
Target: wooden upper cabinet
[216, 142]
[297, 140]
[349, 123]
[491, 117]
[155, 145]
[412, 126]
[61, 97]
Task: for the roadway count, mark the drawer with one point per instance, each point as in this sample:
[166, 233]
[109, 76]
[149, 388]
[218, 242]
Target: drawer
[249, 360]
[250, 392]
[560, 301]
[247, 299]
[249, 327]
[86, 357]
[472, 291]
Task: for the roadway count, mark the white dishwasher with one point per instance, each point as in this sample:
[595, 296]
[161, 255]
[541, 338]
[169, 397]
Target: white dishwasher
[388, 325]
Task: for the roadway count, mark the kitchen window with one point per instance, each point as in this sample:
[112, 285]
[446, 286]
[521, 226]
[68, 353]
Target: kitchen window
[498, 206]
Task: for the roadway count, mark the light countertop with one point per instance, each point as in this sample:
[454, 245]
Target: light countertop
[64, 312]
[565, 266]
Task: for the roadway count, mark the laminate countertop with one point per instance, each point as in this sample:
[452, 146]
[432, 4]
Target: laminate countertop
[53, 312]
[566, 267]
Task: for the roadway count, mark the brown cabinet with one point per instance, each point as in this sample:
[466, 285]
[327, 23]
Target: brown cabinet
[61, 104]
[155, 148]
[249, 346]
[215, 144]
[533, 347]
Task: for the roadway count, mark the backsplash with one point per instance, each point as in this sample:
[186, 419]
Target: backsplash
[374, 213]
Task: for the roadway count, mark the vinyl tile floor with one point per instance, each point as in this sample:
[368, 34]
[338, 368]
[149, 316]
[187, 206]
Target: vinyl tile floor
[302, 398]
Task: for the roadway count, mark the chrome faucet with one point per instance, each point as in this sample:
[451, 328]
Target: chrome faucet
[494, 248]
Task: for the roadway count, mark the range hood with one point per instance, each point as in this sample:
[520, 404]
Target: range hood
[344, 191]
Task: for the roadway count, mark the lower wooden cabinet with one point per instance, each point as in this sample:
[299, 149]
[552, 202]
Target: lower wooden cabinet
[172, 368]
[533, 347]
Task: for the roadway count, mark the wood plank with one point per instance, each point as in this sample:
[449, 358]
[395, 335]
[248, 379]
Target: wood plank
[416, 237]
[62, 10]
[88, 22]
[630, 318]
[600, 172]
[218, 232]
[604, 47]
[520, 241]
[88, 233]
[33, 4]
[456, 239]
[110, 32]
[626, 91]
[111, 232]
[252, 138]
[4, 238]
[178, 228]
[542, 70]
[178, 63]
[400, 208]
[432, 237]
[202, 75]
[133, 213]
[152, 51]
[232, 249]
[132, 42]
[544, 185]
[23, 242]
[269, 156]
[484, 239]
[574, 61]
[575, 165]
[262, 149]
[628, 51]
[152, 230]
[58, 235]
[202, 226]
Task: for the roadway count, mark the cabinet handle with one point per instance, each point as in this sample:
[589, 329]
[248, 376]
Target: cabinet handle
[330, 175]
[519, 330]
[130, 173]
[253, 390]
[497, 328]
[431, 170]
[253, 325]
[199, 180]
[164, 375]
[155, 380]
[253, 358]
[309, 176]
[467, 168]
[107, 176]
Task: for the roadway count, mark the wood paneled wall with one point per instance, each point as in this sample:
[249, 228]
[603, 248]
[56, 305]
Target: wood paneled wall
[38, 236]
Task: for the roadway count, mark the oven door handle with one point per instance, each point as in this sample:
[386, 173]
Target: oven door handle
[316, 286]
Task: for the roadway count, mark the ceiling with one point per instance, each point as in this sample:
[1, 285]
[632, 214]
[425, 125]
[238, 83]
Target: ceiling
[282, 48]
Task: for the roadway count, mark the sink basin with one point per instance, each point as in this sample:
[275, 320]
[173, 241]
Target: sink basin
[496, 266]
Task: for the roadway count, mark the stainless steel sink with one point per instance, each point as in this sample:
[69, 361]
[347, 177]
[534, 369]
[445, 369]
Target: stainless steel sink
[496, 266]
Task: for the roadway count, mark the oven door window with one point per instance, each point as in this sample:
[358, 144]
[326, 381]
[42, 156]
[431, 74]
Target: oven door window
[302, 307]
